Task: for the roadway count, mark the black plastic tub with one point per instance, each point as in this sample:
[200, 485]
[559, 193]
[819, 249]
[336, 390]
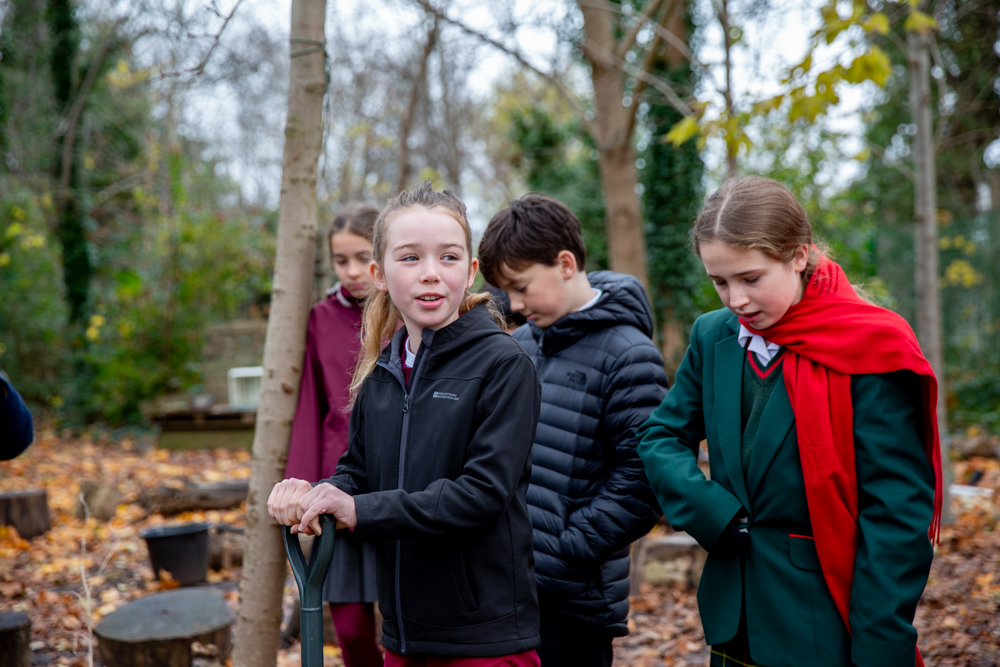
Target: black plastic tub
[181, 550]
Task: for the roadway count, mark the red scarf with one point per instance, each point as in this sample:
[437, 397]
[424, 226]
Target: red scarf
[830, 335]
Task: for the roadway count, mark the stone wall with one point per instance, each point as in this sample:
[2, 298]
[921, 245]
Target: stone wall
[230, 345]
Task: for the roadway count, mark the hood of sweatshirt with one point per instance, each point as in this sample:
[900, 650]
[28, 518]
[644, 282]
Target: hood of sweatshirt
[623, 301]
[468, 329]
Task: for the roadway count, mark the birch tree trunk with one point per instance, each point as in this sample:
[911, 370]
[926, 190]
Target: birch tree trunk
[259, 617]
[927, 270]
[623, 214]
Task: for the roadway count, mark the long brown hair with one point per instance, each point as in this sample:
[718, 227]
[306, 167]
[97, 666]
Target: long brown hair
[381, 318]
[756, 213]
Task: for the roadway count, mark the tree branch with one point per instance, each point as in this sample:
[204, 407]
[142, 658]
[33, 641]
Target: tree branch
[200, 67]
[901, 168]
[73, 117]
[660, 30]
[565, 92]
[651, 8]
[641, 75]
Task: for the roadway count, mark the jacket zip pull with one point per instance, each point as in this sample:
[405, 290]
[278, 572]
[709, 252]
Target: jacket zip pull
[406, 402]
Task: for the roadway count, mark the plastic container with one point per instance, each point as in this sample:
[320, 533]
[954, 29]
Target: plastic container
[181, 550]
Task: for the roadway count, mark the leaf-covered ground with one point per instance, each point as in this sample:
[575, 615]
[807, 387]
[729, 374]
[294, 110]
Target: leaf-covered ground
[959, 619]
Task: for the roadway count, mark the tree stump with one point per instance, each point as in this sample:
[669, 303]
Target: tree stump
[27, 511]
[15, 639]
[159, 629]
[101, 499]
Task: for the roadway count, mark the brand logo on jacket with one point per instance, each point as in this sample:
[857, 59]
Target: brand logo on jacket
[577, 377]
[446, 394]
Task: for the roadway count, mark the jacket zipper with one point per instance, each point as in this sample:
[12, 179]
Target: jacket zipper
[403, 437]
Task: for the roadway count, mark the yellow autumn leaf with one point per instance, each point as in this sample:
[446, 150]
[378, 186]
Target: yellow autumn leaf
[918, 21]
[872, 66]
[878, 23]
[4, 259]
[682, 131]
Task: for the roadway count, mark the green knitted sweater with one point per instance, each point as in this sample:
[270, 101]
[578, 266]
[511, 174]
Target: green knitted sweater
[758, 383]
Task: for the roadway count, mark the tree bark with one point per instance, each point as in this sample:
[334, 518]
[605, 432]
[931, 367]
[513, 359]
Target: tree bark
[623, 214]
[259, 616]
[927, 269]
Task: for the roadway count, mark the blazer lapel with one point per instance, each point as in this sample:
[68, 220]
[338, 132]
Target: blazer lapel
[728, 388]
[775, 422]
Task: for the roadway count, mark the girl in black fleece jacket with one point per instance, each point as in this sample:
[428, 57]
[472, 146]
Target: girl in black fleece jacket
[439, 458]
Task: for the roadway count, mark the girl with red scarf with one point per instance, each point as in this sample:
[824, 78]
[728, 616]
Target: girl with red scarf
[319, 432]
[819, 414]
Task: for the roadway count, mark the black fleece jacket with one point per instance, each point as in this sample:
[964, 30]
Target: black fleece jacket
[589, 497]
[439, 472]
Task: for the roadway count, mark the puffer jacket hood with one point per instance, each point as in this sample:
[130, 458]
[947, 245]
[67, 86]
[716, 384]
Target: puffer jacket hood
[589, 498]
[623, 302]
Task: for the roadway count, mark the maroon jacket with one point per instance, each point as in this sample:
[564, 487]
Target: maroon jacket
[319, 433]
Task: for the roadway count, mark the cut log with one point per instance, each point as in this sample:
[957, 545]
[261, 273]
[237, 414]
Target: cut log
[215, 496]
[27, 511]
[225, 548]
[160, 629]
[15, 639]
[676, 559]
[102, 500]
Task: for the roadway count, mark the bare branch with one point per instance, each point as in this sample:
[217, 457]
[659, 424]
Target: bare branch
[73, 117]
[669, 37]
[901, 168]
[651, 8]
[641, 75]
[200, 67]
[553, 79]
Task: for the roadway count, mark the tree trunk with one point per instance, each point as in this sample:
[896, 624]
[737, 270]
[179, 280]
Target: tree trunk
[927, 270]
[623, 215]
[259, 617]
[26, 511]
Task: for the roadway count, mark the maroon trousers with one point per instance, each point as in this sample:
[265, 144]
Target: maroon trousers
[355, 626]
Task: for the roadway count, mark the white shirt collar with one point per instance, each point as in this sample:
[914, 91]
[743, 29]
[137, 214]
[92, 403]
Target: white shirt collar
[410, 358]
[597, 296]
[765, 351]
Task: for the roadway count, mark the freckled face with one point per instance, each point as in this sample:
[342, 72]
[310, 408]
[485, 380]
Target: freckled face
[352, 258]
[758, 288]
[427, 267]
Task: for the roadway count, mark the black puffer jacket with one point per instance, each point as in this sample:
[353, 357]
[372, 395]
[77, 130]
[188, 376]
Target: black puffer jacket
[589, 498]
[439, 472]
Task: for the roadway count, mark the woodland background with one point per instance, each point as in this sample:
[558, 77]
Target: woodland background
[140, 145]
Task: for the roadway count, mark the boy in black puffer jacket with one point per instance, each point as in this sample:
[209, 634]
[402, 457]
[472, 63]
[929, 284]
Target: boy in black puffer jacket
[601, 377]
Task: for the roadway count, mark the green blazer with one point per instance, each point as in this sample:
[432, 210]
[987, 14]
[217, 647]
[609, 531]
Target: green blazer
[791, 618]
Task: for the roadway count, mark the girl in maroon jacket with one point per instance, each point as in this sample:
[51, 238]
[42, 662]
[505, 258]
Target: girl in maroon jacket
[319, 434]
